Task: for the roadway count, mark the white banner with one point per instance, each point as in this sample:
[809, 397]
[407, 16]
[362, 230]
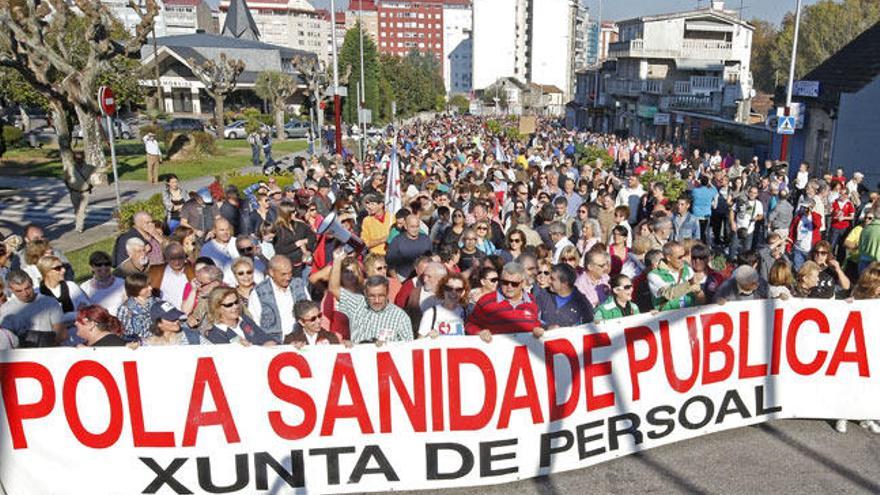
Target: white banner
[440, 413]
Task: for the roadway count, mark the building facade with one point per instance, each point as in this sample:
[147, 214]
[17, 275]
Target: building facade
[695, 62]
[533, 41]
[411, 25]
[457, 46]
[174, 16]
[289, 23]
[365, 11]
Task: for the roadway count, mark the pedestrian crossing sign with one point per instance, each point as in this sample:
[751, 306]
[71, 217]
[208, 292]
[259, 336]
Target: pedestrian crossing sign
[786, 125]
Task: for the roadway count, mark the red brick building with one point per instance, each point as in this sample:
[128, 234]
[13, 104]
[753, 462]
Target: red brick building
[407, 25]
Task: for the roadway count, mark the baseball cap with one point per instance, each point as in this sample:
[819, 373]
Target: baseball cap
[166, 311]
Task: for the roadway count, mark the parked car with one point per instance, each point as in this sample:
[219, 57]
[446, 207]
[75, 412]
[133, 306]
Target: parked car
[122, 130]
[183, 124]
[296, 129]
[236, 130]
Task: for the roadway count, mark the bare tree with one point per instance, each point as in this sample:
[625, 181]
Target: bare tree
[277, 87]
[318, 82]
[220, 79]
[36, 41]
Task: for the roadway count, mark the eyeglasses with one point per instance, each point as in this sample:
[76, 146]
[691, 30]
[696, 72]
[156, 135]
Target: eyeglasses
[470, 239]
[101, 264]
[511, 283]
[627, 287]
[243, 273]
[58, 268]
[229, 304]
[482, 228]
[181, 257]
[381, 268]
[457, 290]
[312, 319]
[516, 241]
[246, 250]
[544, 272]
[570, 259]
[822, 252]
[492, 279]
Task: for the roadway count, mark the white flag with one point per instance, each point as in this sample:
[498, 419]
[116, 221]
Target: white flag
[393, 200]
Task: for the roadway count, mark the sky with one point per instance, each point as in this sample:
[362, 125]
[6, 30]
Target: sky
[769, 10]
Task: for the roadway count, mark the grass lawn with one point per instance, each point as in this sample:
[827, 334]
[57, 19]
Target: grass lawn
[232, 154]
[79, 259]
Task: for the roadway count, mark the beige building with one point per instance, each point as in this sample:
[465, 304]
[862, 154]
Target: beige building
[288, 23]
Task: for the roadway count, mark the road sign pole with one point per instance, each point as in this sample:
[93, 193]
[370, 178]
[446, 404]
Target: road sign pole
[110, 135]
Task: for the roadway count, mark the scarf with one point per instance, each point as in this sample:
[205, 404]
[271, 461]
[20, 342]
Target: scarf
[63, 298]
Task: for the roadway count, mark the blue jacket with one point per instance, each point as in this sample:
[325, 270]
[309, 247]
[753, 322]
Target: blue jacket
[254, 334]
[576, 311]
[685, 228]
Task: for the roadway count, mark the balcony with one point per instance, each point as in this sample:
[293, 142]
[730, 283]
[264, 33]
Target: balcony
[695, 49]
[703, 84]
[628, 87]
[689, 102]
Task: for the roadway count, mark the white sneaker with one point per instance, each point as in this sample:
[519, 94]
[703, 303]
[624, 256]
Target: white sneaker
[870, 425]
[840, 426]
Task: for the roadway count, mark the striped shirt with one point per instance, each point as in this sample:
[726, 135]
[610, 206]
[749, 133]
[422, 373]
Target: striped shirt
[495, 313]
[366, 324]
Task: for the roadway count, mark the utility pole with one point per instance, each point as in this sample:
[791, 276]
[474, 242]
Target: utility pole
[598, 53]
[363, 94]
[337, 98]
[797, 24]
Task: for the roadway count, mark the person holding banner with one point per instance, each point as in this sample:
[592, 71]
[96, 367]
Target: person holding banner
[510, 310]
[371, 318]
[98, 328]
[563, 305]
[229, 324]
[619, 304]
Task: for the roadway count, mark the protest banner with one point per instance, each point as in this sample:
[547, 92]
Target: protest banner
[432, 414]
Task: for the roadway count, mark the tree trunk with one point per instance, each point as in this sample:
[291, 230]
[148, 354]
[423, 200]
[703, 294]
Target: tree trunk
[279, 120]
[93, 146]
[75, 178]
[218, 115]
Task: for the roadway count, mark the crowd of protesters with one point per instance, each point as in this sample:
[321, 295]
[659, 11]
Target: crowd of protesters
[484, 234]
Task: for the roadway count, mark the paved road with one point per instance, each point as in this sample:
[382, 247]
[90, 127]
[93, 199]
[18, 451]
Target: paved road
[781, 457]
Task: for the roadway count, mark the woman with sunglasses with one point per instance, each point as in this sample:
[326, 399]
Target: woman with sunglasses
[832, 281]
[53, 285]
[103, 288]
[447, 317]
[452, 234]
[486, 282]
[516, 243]
[243, 272]
[228, 324]
[619, 303]
[484, 238]
[542, 275]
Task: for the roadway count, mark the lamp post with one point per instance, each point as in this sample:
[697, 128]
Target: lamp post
[337, 99]
[797, 24]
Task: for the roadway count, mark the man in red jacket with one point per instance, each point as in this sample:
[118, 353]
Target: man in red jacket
[510, 310]
[804, 233]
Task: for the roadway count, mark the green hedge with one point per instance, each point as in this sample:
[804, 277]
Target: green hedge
[153, 206]
[587, 155]
[12, 136]
[203, 144]
[675, 186]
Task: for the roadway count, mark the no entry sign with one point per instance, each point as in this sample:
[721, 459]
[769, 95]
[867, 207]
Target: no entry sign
[107, 101]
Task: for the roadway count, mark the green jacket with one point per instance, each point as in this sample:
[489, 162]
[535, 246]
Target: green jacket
[608, 310]
[676, 293]
[869, 242]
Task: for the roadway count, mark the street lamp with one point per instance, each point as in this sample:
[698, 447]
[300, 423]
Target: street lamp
[337, 99]
[797, 24]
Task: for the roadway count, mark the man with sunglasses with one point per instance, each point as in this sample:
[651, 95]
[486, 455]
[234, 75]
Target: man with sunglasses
[309, 330]
[673, 284]
[619, 304]
[509, 310]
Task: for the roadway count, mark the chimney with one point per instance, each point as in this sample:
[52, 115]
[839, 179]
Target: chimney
[718, 5]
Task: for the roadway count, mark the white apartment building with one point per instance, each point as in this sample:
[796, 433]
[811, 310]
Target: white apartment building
[175, 16]
[696, 62]
[289, 23]
[457, 46]
[530, 40]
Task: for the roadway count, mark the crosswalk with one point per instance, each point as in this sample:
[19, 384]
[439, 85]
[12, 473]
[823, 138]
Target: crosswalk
[47, 209]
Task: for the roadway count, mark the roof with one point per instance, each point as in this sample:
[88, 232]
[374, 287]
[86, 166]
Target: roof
[205, 40]
[850, 69]
[239, 22]
[549, 88]
[720, 14]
